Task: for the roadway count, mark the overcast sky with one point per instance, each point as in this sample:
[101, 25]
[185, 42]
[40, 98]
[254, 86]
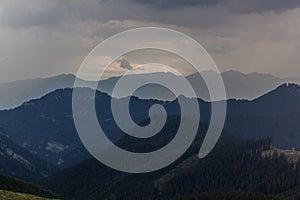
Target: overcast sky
[41, 38]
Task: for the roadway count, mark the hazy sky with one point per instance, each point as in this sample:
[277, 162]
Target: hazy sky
[40, 38]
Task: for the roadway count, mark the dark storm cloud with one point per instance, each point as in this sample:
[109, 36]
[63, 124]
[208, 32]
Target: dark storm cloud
[170, 4]
[238, 6]
[60, 33]
[60, 13]
[31, 13]
[246, 6]
[187, 13]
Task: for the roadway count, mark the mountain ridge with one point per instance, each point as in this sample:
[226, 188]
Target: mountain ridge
[238, 85]
[46, 126]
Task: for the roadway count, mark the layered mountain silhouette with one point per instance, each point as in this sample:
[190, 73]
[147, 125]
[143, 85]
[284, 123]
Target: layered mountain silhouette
[45, 126]
[238, 85]
[40, 138]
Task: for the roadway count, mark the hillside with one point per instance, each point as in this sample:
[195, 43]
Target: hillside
[291, 194]
[233, 165]
[45, 126]
[7, 195]
[18, 186]
[275, 114]
[20, 163]
[217, 173]
[230, 196]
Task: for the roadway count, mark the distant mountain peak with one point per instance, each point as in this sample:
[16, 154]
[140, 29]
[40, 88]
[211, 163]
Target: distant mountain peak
[233, 72]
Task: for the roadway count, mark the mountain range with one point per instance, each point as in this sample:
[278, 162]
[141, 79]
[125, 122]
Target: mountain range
[45, 126]
[238, 86]
[39, 140]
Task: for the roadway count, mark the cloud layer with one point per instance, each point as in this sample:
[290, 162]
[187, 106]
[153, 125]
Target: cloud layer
[43, 37]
